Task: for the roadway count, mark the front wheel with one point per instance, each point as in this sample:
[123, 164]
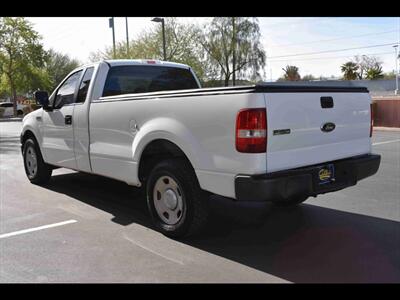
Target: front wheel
[36, 169]
[175, 200]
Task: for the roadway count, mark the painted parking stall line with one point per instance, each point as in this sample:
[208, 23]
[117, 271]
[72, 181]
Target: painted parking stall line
[387, 142]
[10, 234]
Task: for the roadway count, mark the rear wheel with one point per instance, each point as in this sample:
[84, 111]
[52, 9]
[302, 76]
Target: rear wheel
[175, 200]
[36, 169]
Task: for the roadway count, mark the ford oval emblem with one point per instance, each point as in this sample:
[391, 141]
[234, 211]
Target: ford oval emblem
[328, 127]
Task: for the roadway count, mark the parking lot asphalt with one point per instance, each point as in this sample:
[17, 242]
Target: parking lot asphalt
[85, 228]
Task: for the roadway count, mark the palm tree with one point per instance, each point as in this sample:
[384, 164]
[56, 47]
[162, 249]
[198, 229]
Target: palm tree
[291, 73]
[375, 73]
[349, 70]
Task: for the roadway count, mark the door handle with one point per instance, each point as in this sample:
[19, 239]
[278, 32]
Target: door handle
[68, 120]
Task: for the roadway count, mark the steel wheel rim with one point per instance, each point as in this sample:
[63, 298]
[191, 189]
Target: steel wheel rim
[31, 161]
[168, 200]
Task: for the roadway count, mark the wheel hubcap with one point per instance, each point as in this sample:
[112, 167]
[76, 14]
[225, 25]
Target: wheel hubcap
[168, 200]
[31, 161]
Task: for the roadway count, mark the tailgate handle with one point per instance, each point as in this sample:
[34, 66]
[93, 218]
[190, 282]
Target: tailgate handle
[326, 102]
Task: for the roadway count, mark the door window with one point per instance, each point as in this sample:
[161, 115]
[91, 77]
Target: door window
[66, 93]
[83, 88]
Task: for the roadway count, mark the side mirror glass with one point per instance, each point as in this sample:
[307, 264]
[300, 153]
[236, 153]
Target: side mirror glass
[42, 98]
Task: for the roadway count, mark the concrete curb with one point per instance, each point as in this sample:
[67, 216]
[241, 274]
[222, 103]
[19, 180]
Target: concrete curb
[10, 119]
[396, 129]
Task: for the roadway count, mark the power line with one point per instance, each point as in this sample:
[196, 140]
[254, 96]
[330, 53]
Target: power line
[304, 20]
[335, 39]
[331, 51]
[331, 57]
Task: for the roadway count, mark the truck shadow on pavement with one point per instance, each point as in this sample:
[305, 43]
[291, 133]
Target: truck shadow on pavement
[303, 244]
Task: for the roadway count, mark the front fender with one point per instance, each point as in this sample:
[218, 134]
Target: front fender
[31, 123]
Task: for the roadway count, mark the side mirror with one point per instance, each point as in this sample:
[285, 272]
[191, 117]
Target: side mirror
[42, 98]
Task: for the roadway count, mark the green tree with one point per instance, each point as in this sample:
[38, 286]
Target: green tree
[4, 90]
[308, 78]
[21, 53]
[349, 70]
[374, 73]
[233, 47]
[389, 75]
[57, 66]
[366, 63]
[291, 73]
[181, 47]
[32, 79]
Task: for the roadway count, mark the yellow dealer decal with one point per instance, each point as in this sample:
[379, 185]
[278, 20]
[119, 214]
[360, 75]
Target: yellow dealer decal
[324, 174]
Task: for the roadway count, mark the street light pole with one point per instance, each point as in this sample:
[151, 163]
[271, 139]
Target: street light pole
[161, 20]
[111, 25]
[127, 37]
[396, 92]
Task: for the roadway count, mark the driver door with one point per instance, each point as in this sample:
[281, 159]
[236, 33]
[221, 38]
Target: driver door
[58, 135]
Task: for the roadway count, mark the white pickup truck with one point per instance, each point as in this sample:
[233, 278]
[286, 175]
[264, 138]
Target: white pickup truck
[149, 123]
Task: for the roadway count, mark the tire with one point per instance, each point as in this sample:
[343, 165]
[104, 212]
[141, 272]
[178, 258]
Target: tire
[291, 202]
[37, 171]
[20, 113]
[177, 205]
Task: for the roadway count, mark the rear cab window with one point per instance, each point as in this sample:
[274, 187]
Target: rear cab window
[142, 79]
[8, 104]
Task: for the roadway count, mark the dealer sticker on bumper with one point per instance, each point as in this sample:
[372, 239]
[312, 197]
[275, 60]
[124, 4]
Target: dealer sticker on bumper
[326, 174]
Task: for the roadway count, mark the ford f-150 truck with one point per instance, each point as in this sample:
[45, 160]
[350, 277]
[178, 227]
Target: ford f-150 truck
[149, 123]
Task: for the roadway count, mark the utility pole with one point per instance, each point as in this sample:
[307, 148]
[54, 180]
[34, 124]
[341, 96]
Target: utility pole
[127, 37]
[161, 20]
[111, 25]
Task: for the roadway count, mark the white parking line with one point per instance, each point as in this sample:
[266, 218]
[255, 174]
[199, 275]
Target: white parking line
[387, 142]
[6, 235]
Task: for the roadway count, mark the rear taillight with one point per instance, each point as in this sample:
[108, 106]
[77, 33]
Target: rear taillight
[251, 130]
[371, 127]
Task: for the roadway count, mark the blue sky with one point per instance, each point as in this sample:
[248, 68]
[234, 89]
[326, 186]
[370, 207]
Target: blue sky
[293, 36]
[283, 39]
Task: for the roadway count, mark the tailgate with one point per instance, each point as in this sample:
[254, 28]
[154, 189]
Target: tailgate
[296, 133]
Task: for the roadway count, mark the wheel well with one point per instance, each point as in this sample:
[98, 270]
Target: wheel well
[28, 134]
[156, 151]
